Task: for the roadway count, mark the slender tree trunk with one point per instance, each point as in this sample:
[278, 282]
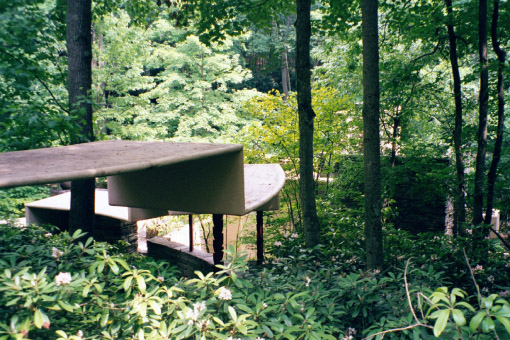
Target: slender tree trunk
[285, 73]
[491, 177]
[371, 138]
[284, 58]
[394, 137]
[306, 115]
[460, 200]
[79, 52]
[483, 111]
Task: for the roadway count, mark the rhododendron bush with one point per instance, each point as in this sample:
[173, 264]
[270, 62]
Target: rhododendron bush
[61, 286]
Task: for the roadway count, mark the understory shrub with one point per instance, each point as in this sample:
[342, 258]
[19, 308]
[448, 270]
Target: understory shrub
[56, 287]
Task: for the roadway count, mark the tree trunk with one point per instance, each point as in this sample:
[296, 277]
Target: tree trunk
[284, 59]
[79, 82]
[285, 73]
[460, 200]
[371, 138]
[483, 109]
[394, 137]
[306, 115]
[491, 177]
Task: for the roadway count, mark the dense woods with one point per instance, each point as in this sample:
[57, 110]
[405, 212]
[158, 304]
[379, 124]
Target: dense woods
[388, 118]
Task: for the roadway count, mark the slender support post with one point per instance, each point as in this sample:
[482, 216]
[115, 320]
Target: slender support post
[260, 237]
[218, 238]
[190, 223]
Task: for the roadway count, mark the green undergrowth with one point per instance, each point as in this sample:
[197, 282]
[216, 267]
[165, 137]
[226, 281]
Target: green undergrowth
[61, 286]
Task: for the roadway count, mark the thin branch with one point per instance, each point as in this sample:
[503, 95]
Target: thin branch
[418, 322]
[407, 291]
[500, 237]
[36, 77]
[428, 54]
[472, 275]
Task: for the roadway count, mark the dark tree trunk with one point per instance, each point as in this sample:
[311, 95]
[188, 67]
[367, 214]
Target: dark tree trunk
[483, 110]
[79, 82]
[371, 138]
[491, 177]
[306, 115]
[460, 199]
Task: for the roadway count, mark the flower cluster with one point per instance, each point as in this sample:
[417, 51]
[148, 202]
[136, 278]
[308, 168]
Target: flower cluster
[193, 314]
[349, 333]
[224, 294]
[63, 279]
[56, 253]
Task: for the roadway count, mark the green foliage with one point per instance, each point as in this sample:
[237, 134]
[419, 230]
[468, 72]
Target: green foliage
[491, 318]
[274, 135]
[219, 19]
[51, 284]
[86, 290]
[12, 201]
[157, 83]
[32, 74]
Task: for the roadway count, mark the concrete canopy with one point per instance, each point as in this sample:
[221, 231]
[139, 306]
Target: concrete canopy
[189, 177]
[105, 158]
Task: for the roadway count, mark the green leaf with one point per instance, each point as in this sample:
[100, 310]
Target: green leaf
[268, 331]
[62, 334]
[505, 322]
[127, 283]
[442, 319]
[504, 311]
[141, 283]
[38, 318]
[123, 263]
[218, 321]
[467, 305]
[458, 317]
[245, 308]
[155, 307]
[12, 302]
[86, 290]
[114, 268]
[232, 313]
[143, 309]
[476, 320]
[242, 329]
[488, 325]
[66, 306]
[104, 319]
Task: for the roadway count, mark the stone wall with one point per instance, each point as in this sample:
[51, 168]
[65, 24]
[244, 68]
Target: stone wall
[179, 255]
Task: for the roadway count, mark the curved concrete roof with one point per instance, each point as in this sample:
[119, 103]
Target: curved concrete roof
[190, 177]
[97, 159]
